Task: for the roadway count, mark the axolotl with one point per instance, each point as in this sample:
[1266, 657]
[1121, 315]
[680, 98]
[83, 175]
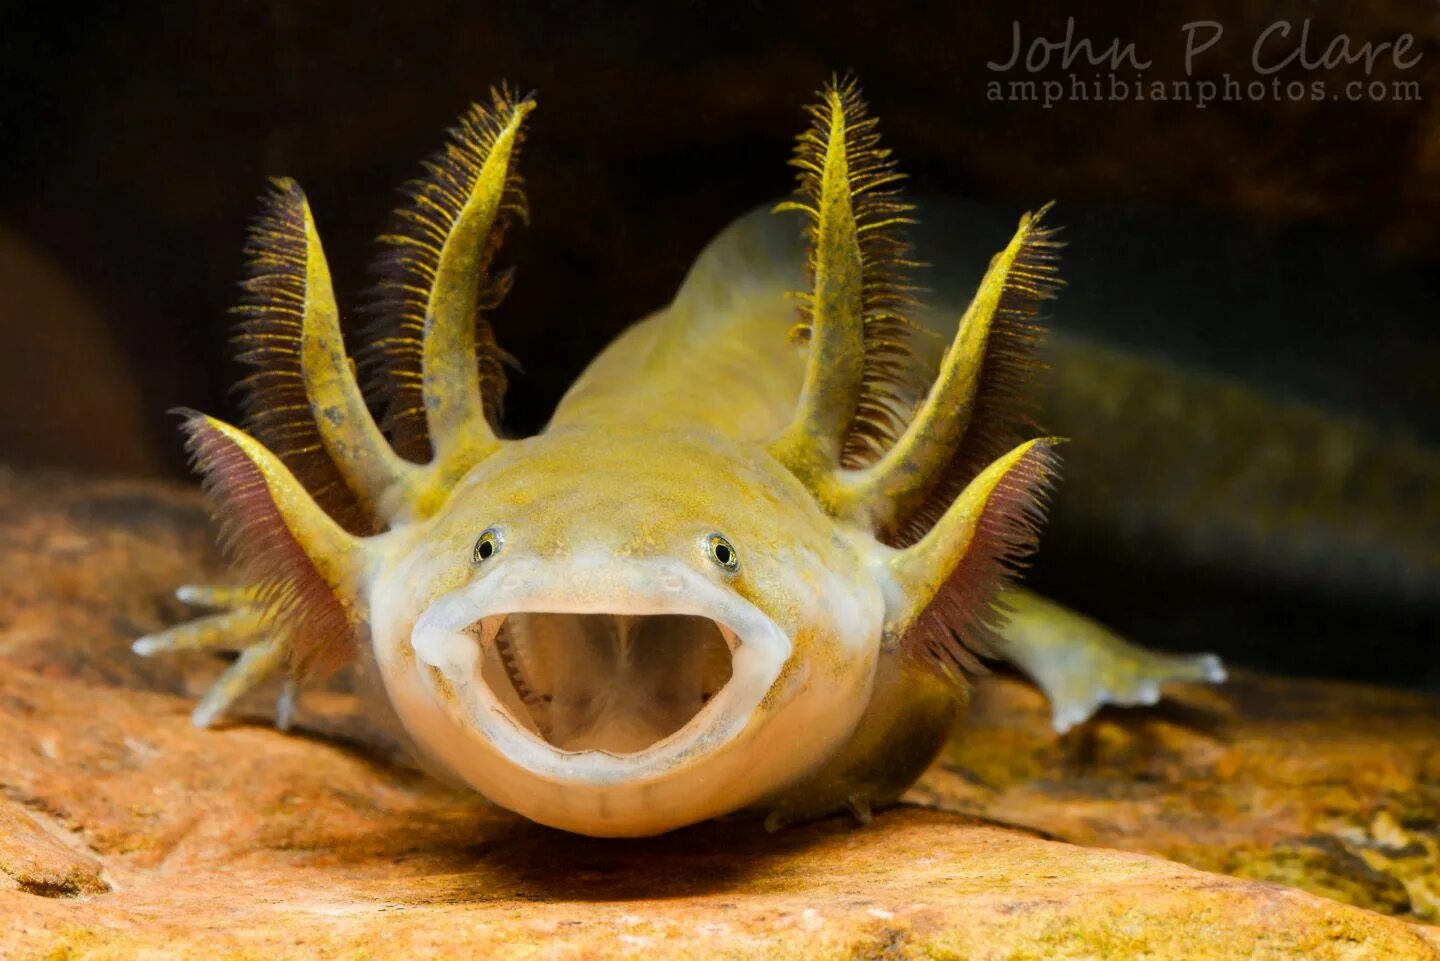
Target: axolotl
[748, 565]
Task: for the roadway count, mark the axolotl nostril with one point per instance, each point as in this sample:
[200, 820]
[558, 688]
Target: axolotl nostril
[745, 567]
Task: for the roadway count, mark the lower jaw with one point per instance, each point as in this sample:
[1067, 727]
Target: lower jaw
[621, 797]
[626, 796]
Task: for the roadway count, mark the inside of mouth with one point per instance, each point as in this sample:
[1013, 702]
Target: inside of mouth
[617, 683]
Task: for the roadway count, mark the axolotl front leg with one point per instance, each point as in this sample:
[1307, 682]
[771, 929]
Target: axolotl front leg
[239, 628]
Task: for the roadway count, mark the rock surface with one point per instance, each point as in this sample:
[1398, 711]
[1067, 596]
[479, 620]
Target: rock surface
[124, 832]
[1334, 788]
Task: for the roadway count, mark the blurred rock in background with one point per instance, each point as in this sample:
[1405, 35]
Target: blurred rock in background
[69, 397]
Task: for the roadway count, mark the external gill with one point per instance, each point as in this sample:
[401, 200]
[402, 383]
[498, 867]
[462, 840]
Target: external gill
[994, 332]
[935, 480]
[434, 349]
[301, 501]
[305, 571]
[857, 364]
[436, 355]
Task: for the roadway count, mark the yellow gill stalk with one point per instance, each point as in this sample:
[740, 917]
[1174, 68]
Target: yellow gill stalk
[810, 445]
[975, 543]
[453, 404]
[303, 401]
[441, 359]
[898, 484]
[854, 309]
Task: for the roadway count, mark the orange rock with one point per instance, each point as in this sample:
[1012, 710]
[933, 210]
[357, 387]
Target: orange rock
[1334, 788]
[128, 833]
[43, 862]
[83, 564]
[250, 843]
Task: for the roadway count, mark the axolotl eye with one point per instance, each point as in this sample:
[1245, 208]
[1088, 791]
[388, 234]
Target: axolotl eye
[722, 552]
[487, 546]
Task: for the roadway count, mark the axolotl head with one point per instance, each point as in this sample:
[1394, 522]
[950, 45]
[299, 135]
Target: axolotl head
[621, 635]
[630, 623]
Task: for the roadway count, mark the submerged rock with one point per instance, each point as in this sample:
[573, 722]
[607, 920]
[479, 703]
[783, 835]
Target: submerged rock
[126, 832]
[1330, 787]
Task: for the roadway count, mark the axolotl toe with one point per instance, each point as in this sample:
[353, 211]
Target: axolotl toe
[748, 564]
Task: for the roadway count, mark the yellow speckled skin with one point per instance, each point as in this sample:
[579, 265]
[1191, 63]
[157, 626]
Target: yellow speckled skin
[718, 416]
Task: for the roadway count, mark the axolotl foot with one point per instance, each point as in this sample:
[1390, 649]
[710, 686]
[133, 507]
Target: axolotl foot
[1082, 665]
[238, 627]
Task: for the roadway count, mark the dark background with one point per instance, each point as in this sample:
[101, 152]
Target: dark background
[135, 137]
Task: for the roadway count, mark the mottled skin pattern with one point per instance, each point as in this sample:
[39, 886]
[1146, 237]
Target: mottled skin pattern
[821, 496]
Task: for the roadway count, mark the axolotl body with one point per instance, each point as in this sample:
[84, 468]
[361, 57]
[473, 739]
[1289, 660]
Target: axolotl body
[746, 567]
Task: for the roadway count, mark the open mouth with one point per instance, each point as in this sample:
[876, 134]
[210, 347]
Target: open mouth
[592, 677]
[617, 683]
